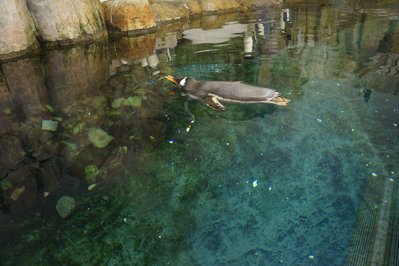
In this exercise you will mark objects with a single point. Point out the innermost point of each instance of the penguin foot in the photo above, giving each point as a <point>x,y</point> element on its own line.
<point>279,101</point>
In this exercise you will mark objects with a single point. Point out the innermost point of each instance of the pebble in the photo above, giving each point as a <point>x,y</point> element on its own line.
<point>65,206</point>
<point>255,183</point>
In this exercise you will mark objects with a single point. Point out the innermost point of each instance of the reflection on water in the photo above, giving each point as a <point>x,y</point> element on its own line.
<point>257,184</point>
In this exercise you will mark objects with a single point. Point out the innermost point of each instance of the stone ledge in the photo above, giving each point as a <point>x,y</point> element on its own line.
<point>130,16</point>
<point>169,11</point>
<point>85,20</point>
<point>17,31</point>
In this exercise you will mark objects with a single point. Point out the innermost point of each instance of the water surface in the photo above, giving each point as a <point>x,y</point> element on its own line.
<point>182,184</point>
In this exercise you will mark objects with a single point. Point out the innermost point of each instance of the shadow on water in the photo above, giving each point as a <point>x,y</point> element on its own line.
<point>256,184</point>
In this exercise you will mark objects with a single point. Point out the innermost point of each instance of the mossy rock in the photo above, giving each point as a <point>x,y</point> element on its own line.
<point>65,206</point>
<point>99,138</point>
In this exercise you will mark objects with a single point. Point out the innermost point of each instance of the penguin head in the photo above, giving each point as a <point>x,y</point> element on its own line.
<point>181,83</point>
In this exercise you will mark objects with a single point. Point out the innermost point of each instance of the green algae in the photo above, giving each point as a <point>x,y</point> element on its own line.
<point>130,101</point>
<point>91,172</point>
<point>99,138</point>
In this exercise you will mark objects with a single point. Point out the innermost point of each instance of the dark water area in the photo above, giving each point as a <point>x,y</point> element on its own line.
<point>154,179</point>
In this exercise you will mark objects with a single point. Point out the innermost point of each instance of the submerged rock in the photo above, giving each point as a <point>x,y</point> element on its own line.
<point>99,138</point>
<point>130,101</point>
<point>19,190</point>
<point>65,206</point>
<point>11,154</point>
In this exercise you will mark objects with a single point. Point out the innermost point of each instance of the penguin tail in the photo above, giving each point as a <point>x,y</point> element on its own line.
<point>280,101</point>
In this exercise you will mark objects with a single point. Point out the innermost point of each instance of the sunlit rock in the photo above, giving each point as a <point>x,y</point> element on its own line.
<point>17,30</point>
<point>194,6</point>
<point>165,11</point>
<point>65,206</point>
<point>68,21</point>
<point>128,15</point>
<point>219,5</point>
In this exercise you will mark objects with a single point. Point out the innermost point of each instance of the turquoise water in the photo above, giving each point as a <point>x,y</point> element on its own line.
<point>172,182</point>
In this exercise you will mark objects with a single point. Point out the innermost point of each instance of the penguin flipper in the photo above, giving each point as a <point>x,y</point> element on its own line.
<point>213,102</point>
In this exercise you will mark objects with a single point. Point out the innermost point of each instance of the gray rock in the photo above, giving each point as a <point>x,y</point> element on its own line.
<point>60,20</point>
<point>17,30</point>
<point>65,206</point>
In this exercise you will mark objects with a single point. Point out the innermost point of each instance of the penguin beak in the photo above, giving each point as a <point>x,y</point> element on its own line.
<point>171,79</point>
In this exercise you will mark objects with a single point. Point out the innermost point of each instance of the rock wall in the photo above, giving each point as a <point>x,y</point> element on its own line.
<point>59,20</point>
<point>26,23</point>
<point>17,30</point>
<point>30,88</point>
<point>132,15</point>
<point>127,15</point>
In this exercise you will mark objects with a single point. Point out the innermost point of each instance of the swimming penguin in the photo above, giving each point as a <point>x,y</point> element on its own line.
<point>212,92</point>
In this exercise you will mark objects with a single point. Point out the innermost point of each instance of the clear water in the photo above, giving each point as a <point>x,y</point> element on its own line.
<point>254,185</point>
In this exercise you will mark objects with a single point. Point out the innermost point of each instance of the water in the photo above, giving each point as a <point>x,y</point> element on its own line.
<point>254,185</point>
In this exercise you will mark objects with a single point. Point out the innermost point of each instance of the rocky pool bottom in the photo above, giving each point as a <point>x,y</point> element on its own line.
<point>109,145</point>
<point>283,187</point>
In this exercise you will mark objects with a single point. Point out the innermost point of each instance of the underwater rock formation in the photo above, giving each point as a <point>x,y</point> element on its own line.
<point>75,74</point>
<point>19,190</point>
<point>65,206</point>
